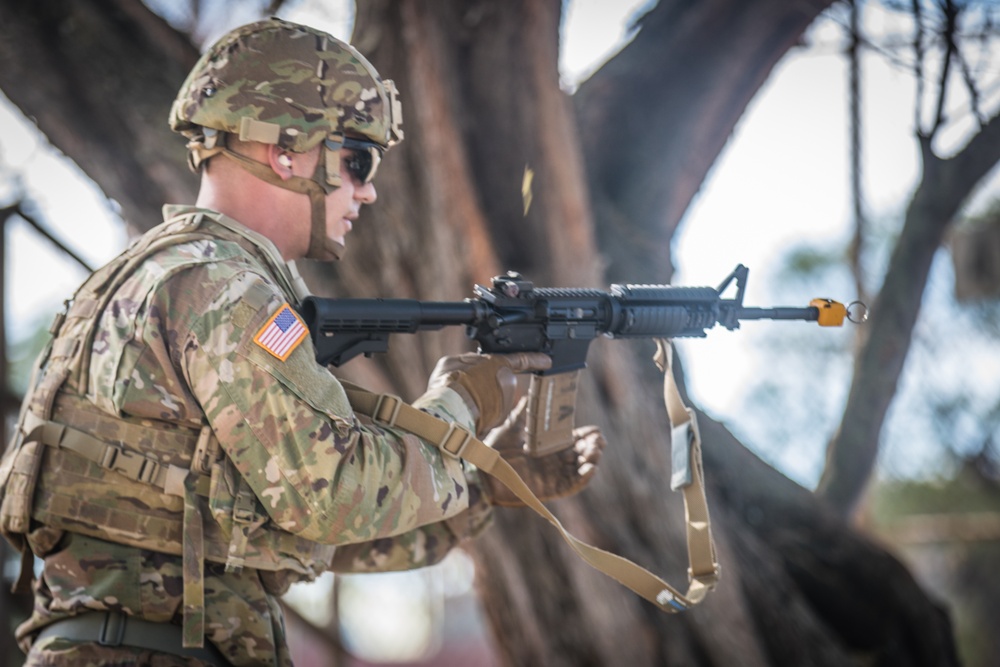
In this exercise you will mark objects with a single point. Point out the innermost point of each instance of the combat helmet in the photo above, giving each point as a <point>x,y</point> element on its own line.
<point>277,82</point>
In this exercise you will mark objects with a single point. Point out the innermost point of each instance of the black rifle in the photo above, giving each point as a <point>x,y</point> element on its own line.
<point>515,316</point>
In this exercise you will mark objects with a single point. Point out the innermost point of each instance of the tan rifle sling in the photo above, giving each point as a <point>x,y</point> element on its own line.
<point>457,442</point>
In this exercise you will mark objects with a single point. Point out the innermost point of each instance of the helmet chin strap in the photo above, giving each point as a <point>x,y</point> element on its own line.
<point>321,246</point>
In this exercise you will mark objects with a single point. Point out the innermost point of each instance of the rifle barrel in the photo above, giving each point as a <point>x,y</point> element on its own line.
<point>810,314</point>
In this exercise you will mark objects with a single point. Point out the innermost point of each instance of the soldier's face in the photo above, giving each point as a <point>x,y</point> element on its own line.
<point>343,205</point>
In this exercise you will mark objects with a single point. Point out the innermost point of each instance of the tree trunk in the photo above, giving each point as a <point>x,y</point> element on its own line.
<point>482,105</point>
<point>480,86</point>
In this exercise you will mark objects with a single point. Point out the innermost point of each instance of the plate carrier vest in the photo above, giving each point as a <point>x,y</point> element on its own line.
<point>148,484</point>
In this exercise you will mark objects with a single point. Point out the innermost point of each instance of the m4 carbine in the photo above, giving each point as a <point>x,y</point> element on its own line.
<point>515,316</point>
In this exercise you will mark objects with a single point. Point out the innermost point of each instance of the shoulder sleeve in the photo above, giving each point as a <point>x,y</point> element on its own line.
<point>286,423</point>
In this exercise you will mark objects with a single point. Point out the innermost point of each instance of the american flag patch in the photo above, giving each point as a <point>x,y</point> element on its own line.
<point>282,333</point>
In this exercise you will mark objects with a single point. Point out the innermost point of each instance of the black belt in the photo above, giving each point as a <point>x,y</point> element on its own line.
<point>112,628</point>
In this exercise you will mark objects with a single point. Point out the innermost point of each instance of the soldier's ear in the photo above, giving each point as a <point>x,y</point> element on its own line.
<point>280,162</point>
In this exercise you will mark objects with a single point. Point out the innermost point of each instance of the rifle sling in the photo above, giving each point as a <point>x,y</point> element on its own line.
<point>457,442</point>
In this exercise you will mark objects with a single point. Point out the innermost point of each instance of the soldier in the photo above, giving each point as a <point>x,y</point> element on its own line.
<point>181,458</point>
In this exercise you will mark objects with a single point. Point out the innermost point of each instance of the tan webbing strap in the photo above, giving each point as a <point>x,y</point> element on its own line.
<point>688,474</point>
<point>207,450</point>
<point>244,517</point>
<point>133,465</point>
<point>457,442</point>
<point>193,568</point>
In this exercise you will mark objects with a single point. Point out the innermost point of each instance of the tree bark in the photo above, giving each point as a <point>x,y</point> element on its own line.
<point>482,102</point>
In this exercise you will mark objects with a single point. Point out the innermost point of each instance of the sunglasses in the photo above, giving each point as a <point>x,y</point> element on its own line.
<point>363,160</point>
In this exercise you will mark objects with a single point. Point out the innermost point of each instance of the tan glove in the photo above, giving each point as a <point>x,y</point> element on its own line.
<point>486,382</point>
<point>555,475</point>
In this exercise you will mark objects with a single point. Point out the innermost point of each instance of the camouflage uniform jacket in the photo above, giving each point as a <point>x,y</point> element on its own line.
<point>181,344</point>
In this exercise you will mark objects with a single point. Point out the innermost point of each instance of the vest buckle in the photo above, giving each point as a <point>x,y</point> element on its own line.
<point>131,464</point>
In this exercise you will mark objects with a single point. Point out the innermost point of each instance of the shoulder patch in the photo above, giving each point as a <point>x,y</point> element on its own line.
<point>282,333</point>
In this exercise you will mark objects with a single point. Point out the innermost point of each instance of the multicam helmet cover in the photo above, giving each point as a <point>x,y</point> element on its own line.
<point>278,82</point>
<point>289,85</point>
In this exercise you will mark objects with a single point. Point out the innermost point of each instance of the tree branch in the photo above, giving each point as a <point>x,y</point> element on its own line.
<point>970,84</point>
<point>18,210</point>
<point>944,187</point>
<point>643,173</point>
<point>97,77</point>
<point>950,15</point>
<point>918,65</point>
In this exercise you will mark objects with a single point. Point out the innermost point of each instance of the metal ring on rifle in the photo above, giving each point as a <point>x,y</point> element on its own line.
<point>857,312</point>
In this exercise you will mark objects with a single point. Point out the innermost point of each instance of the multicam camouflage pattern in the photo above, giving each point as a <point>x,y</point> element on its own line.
<point>61,653</point>
<point>174,348</point>
<point>310,86</point>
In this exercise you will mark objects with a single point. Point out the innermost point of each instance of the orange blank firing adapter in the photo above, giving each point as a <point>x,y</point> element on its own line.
<point>831,313</point>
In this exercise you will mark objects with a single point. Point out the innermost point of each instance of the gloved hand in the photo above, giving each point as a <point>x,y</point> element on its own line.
<point>555,475</point>
<point>486,382</point>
